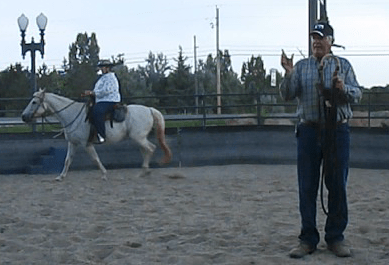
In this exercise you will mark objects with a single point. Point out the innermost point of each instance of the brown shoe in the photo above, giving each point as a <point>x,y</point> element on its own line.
<point>301,250</point>
<point>339,249</point>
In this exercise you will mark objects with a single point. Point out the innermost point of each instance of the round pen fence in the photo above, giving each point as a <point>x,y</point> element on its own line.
<point>236,109</point>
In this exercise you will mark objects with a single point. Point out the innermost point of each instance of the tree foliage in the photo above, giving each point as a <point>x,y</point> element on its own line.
<point>181,83</point>
<point>155,76</point>
<point>81,71</point>
<point>173,84</point>
<point>14,83</point>
<point>52,81</point>
<point>253,75</point>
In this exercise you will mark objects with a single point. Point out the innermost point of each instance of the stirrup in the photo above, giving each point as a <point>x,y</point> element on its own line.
<point>100,139</point>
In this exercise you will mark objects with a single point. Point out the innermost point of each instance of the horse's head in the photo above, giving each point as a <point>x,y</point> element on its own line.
<point>36,108</point>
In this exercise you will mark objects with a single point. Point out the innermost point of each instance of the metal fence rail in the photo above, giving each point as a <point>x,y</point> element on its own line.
<point>264,106</point>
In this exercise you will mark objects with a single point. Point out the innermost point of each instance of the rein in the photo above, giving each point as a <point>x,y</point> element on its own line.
<point>64,108</point>
<point>78,115</point>
<point>330,115</point>
<point>41,100</point>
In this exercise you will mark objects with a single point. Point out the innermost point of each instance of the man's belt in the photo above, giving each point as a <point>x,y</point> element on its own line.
<point>317,124</point>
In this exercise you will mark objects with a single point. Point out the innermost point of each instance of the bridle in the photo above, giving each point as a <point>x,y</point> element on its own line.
<point>41,101</point>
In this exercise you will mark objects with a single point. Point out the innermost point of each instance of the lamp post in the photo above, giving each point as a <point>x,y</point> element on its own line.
<point>41,21</point>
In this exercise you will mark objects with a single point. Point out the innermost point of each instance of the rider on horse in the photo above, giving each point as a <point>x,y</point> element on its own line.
<point>107,94</point>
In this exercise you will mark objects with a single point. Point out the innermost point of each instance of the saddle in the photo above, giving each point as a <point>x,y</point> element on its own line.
<point>118,114</point>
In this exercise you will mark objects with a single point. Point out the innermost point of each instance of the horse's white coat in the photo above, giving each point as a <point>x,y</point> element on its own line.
<point>71,114</point>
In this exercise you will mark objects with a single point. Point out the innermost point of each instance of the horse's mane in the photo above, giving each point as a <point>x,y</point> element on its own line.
<point>59,97</point>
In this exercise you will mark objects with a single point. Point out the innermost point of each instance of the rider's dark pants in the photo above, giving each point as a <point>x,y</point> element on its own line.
<point>310,148</point>
<point>99,111</point>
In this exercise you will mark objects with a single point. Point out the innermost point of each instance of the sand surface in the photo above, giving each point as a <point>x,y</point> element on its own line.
<point>236,214</point>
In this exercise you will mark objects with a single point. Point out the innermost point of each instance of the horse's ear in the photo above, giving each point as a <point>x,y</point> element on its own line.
<point>42,90</point>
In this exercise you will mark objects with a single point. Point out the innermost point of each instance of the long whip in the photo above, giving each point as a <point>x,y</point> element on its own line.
<point>330,113</point>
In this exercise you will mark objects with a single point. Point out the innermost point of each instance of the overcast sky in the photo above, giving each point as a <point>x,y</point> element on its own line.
<point>247,27</point>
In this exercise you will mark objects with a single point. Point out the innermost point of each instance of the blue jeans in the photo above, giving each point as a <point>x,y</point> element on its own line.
<point>99,111</point>
<point>311,144</point>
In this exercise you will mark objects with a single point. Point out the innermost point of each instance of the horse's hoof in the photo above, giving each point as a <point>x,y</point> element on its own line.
<point>104,178</point>
<point>59,178</point>
<point>164,161</point>
<point>144,173</point>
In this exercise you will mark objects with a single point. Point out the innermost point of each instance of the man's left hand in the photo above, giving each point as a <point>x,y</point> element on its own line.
<point>338,83</point>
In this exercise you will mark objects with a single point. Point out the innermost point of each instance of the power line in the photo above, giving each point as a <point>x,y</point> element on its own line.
<point>356,51</point>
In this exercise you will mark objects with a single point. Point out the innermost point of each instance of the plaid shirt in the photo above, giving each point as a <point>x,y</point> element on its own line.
<point>302,84</point>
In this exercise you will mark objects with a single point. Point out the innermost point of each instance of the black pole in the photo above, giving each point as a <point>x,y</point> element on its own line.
<point>32,47</point>
<point>312,20</point>
<point>196,80</point>
<point>33,77</point>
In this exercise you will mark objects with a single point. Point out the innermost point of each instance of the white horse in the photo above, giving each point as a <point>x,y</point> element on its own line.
<point>137,125</point>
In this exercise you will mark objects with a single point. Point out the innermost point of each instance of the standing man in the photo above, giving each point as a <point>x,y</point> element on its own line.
<point>106,92</point>
<point>304,82</point>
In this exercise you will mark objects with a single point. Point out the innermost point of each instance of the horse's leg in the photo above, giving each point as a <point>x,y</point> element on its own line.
<point>68,161</point>
<point>93,154</point>
<point>147,149</point>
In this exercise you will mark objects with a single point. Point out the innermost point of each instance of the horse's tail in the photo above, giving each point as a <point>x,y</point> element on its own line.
<point>159,123</point>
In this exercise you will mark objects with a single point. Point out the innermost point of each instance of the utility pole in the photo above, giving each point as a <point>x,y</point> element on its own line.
<point>314,16</point>
<point>323,11</point>
<point>218,89</point>
<point>312,20</point>
<point>195,76</point>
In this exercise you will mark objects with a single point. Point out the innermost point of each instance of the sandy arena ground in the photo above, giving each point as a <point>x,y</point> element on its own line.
<point>237,214</point>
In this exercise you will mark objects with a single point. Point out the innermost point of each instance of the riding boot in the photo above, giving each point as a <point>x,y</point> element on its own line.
<point>100,139</point>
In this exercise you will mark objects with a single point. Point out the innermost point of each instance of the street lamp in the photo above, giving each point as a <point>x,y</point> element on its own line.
<point>41,21</point>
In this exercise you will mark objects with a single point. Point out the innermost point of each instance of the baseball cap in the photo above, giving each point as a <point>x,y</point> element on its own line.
<point>322,29</point>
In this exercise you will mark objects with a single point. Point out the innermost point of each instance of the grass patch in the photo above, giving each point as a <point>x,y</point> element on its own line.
<point>28,128</point>
<point>25,128</point>
<point>193,123</point>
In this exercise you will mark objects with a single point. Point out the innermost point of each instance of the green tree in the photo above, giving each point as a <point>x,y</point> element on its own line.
<point>230,84</point>
<point>132,83</point>
<point>139,91</point>
<point>14,83</point>
<point>81,69</point>
<point>181,84</point>
<point>52,81</point>
<point>206,76</point>
<point>154,74</point>
<point>253,75</point>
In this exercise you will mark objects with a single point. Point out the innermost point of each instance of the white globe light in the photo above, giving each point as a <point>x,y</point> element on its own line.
<point>41,21</point>
<point>23,22</point>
